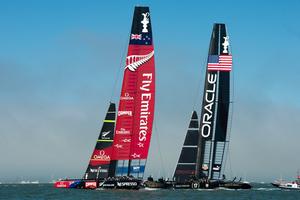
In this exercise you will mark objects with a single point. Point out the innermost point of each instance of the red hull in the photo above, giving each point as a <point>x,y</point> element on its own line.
<point>63,184</point>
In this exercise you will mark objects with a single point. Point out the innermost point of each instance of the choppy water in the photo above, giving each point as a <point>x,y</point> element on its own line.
<point>46,191</point>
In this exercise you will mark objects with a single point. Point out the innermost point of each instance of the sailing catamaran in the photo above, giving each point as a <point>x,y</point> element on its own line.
<point>136,108</point>
<point>201,163</point>
<point>121,151</point>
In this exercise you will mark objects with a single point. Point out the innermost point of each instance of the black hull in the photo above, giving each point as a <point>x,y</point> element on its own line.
<point>158,184</point>
<point>235,185</point>
<point>134,184</point>
<point>197,184</point>
<point>185,185</point>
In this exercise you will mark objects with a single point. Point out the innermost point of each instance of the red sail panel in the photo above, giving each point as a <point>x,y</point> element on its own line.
<point>136,108</point>
<point>144,103</point>
<point>124,126</point>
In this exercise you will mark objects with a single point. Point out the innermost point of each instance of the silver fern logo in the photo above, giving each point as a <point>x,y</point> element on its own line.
<point>134,61</point>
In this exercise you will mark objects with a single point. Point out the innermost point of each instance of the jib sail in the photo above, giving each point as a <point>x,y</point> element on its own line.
<point>99,163</point>
<point>186,166</point>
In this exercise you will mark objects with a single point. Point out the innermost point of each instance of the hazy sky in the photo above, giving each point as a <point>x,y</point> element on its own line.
<point>61,60</point>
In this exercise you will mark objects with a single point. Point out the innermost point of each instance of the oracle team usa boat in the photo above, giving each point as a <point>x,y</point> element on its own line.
<point>201,162</point>
<point>121,151</point>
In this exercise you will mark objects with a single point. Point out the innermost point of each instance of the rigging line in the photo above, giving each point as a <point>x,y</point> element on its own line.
<point>230,167</point>
<point>197,93</point>
<point>159,149</point>
<point>119,69</point>
<point>231,116</point>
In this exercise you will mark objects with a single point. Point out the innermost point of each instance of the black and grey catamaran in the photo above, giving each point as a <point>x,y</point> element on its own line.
<point>201,163</point>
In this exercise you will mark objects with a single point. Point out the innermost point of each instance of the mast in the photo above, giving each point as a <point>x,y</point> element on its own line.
<point>215,106</point>
<point>136,107</point>
<point>186,166</point>
<point>98,167</point>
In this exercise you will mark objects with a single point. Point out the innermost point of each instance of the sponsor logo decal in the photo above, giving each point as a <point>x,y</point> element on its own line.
<point>122,131</point>
<point>126,97</point>
<point>207,117</point>
<point>225,44</point>
<point>216,168</point>
<point>91,184</point>
<point>108,185</point>
<point>118,146</point>
<point>136,155</point>
<point>104,134</point>
<point>136,168</point>
<point>145,100</point>
<point>126,184</point>
<point>134,61</point>
<point>93,170</point>
<point>145,22</point>
<point>140,144</point>
<point>101,156</point>
<point>103,170</point>
<point>126,140</point>
<point>121,113</point>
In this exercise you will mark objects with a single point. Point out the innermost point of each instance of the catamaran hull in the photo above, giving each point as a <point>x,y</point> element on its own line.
<point>158,184</point>
<point>235,185</point>
<point>185,185</point>
<point>77,184</point>
<point>121,184</point>
<point>69,184</point>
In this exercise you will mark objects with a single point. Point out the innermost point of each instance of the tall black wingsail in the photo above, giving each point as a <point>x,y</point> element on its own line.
<point>99,164</point>
<point>215,106</point>
<point>186,166</point>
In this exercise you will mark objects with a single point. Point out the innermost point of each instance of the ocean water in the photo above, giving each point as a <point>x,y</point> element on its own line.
<point>47,191</point>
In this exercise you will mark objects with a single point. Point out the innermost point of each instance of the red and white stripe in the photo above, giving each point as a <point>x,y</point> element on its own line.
<point>225,64</point>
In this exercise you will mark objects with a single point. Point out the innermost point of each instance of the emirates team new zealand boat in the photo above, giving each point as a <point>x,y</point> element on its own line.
<point>201,162</point>
<point>120,155</point>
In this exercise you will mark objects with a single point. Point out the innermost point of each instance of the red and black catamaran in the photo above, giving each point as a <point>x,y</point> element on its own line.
<point>121,151</point>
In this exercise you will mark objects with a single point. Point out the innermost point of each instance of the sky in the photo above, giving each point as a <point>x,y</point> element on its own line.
<point>61,62</point>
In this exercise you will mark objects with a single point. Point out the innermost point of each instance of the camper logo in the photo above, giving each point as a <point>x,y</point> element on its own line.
<point>225,44</point>
<point>145,22</point>
<point>121,113</point>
